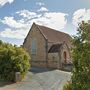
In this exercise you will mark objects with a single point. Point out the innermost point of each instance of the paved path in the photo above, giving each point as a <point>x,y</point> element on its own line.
<point>49,80</point>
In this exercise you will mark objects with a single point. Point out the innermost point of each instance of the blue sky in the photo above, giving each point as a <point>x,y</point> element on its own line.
<point>17,16</point>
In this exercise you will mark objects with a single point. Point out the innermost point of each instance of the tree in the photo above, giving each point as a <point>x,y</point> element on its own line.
<point>13,59</point>
<point>81,58</point>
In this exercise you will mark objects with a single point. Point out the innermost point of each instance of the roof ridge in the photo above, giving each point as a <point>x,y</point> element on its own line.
<point>52,35</point>
<point>50,29</point>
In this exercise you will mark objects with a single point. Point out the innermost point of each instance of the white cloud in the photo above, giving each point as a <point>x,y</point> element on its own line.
<point>11,22</point>
<point>27,14</point>
<point>19,28</point>
<point>80,15</point>
<point>43,9</point>
<point>17,34</point>
<point>52,19</point>
<point>3,2</point>
<point>40,3</point>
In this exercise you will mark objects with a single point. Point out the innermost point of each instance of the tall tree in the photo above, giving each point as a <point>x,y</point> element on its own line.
<point>81,58</point>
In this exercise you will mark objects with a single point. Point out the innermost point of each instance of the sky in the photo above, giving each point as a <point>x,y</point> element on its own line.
<point>17,17</point>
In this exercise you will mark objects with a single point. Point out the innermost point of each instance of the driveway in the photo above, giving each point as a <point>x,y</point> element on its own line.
<point>41,79</point>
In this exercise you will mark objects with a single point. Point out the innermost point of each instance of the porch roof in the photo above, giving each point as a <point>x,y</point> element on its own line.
<point>54,48</point>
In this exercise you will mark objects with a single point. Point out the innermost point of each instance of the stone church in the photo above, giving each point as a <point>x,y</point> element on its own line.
<point>47,47</point>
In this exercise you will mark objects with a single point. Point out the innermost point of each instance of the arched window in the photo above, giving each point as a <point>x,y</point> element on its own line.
<point>65,56</point>
<point>34,47</point>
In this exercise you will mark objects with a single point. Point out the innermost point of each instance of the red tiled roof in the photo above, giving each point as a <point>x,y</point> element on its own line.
<point>54,35</point>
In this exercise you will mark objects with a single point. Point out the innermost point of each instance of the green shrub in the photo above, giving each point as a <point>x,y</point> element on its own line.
<point>76,86</point>
<point>13,59</point>
<point>68,86</point>
<point>81,58</point>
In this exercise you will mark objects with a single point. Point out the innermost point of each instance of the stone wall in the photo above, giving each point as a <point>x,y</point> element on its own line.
<point>38,60</point>
<point>53,58</point>
<point>65,48</point>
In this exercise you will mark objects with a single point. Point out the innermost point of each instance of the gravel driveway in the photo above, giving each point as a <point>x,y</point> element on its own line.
<point>47,80</point>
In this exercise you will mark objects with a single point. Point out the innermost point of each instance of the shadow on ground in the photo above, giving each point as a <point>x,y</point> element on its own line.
<point>39,79</point>
<point>4,83</point>
<point>34,70</point>
<point>39,70</point>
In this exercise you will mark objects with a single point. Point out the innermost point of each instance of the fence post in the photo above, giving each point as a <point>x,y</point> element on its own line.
<point>17,77</point>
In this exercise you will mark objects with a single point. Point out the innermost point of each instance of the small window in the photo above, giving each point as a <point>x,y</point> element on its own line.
<point>34,47</point>
<point>65,56</point>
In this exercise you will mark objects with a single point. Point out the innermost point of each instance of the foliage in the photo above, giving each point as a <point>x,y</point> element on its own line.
<point>81,58</point>
<point>12,59</point>
<point>67,86</point>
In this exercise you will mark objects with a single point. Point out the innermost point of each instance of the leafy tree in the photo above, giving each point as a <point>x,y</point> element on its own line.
<point>12,59</point>
<point>81,58</point>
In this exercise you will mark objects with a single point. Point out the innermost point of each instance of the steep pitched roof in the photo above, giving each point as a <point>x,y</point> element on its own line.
<point>54,35</point>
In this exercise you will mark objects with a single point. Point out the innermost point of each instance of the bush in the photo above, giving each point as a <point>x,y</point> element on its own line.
<point>81,58</point>
<point>13,59</point>
<point>68,86</point>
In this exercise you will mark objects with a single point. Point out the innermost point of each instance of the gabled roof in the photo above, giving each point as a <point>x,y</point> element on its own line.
<point>54,48</point>
<point>55,36</point>
<point>52,35</point>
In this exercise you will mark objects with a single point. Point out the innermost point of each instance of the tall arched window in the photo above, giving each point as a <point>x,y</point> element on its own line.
<point>65,56</point>
<point>34,47</point>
